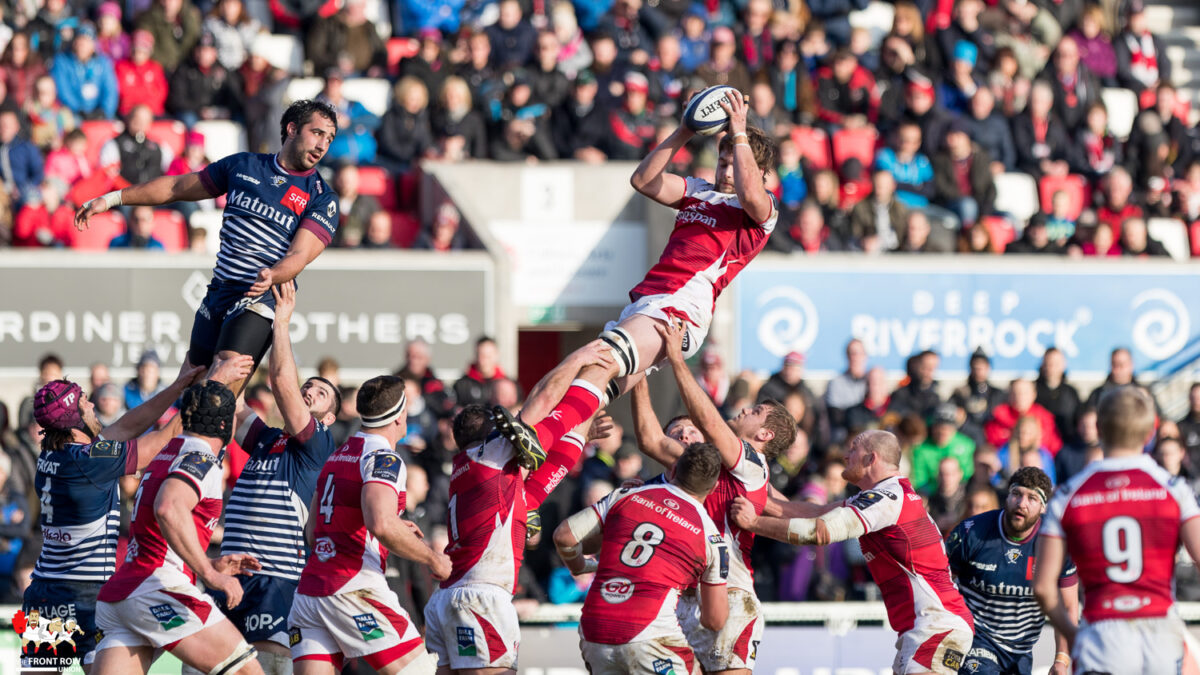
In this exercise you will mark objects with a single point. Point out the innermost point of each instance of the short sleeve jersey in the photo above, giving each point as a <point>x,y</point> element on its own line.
<point>81,516</point>
<point>657,540</point>
<point>150,563</point>
<point>346,556</point>
<point>748,478</point>
<point>268,507</point>
<point>265,206</point>
<point>906,557</point>
<point>995,576</point>
<point>712,241</point>
<point>1121,518</point>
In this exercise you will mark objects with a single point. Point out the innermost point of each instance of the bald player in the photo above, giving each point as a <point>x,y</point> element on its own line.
<point>903,549</point>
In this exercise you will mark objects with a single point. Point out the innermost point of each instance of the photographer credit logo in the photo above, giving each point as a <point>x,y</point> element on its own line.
<point>47,642</point>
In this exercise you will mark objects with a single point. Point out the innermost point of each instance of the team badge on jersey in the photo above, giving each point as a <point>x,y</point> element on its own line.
<point>105,449</point>
<point>465,636</point>
<point>331,209</point>
<point>866,498</point>
<point>663,667</point>
<point>293,637</point>
<point>972,666</point>
<point>166,616</point>
<point>324,549</point>
<point>387,467</point>
<point>1012,555</point>
<point>278,180</point>
<point>368,626</point>
<point>952,659</point>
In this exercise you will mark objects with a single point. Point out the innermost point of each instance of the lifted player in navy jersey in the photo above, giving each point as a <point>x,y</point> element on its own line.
<point>278,218</point>
<point>77,475</point>
<point>268,508</point>
<point>992,555</point>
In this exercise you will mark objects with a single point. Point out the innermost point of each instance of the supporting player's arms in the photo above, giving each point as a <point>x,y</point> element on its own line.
<point>163,190</point>
<point>382,521</point>
<point>305,248</point>
<point>576,537</point>
<point>838,523</point>
<point>1051,552</point>
<point>651,177</point>
<point>282,373</point>
<point>700,407</point>
<point>173,510</point>
<point>650,437</point>
<point>550,389</point>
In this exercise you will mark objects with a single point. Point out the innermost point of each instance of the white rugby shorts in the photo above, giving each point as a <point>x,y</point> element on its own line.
<point>666,308</point>
<point>659,656</point>
<point>367,623</point>
<point>473,626</point>
<point>934,647</point>
<point>735,645</point>
<point>158,618</point>
<point>1154,645</point>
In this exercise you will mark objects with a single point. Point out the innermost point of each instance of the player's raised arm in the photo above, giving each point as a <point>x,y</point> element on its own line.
<point>747,173</point>
<point>382,521</point>
<point>700,408</point>
<point>651,438</point>
<point>164,190</point>
<point>804,524</point>
<point>651,177</point>
<point>551,388</point>
<point>135,422</point>
<point>282,373</point>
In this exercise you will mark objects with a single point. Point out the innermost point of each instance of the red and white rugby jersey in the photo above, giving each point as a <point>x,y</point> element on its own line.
<point>1121,519</point>
<point>657,540</point>
<point>486,516</point>
<point>748,478</point>
<point>346,557</point>
<point>907,559</point>
<point>150,564</point>
<point>712,241</point>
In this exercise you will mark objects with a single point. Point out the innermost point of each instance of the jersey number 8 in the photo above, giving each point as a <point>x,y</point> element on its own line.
<point>641,548</point>
<point>1122,539</point>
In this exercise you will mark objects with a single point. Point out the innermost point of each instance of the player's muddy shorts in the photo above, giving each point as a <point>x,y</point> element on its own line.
<point>473,626</point>
<point>367,623</point>
<point>1120,646</point>
<point>735,645</point>
<point>668,655</point>
<point>938,647</point>
<point>66,600</point>
<point>227,320</point>
<point>667,308</point>
<point>158,619</point>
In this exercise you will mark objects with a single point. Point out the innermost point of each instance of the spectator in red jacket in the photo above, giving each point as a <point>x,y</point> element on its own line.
<point>846,92</point>
<point>70,163</point>
<point>140,80</point>
<point>49,222</point>
<point>1117,208</point>
<point>1022,397</point>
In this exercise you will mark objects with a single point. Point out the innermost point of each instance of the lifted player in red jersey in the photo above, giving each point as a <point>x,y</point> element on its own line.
<point>653,542</point>
<point>903,549</point>
<point>1121,519</point>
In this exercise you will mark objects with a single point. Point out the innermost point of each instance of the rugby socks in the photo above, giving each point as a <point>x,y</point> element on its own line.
<point>581,401</point>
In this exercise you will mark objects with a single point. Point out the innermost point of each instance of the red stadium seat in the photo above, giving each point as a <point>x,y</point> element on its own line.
<point>1194,238</point>
<point>813,145</point>
<point>170,229</point>
<point>101,229</point>
<point>98,133</point>
<point>405,228</point>
<point>168,134</point>
<point>1000,231</point>
<point>1074,185</point>
<point>399,49</point>
<point>855,143</point>
<point>376,182</point>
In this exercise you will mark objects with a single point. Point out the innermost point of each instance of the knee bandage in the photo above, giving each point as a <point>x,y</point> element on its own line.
<point>425,664</point>
<point>275,664</point>
<point>623,349</point>
<point>241,654</point>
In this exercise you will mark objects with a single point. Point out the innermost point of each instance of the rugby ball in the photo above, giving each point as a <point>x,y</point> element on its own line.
<point>704,114</point>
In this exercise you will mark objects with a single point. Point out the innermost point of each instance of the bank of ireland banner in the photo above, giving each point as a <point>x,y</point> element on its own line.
<point>1014,312</point>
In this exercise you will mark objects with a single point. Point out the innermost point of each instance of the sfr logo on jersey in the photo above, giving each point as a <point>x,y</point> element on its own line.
<point>324,549</point>
<point>295,199</point>
<point>617,590</point>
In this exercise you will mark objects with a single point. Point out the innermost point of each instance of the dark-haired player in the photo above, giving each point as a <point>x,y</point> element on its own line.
<point>651,542</point>
<point>903,549</point>
<point>719,229</point>
<point>343,607</point>
<point>152,602</point>
<point>77,483</point>
<point>268,509</point>
<point>746,445</point>
<point>279,216</point>
<point>993,555</point>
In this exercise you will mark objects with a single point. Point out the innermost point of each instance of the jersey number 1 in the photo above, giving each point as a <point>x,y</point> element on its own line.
<point>1122,539</point>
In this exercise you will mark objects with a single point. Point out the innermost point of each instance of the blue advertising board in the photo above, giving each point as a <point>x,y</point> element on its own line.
<point>1014,310</point>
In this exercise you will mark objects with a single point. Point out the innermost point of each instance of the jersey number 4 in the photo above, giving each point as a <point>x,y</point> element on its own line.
<point>327,500</point>
<point>1122,539</point>
<point>641,548</point>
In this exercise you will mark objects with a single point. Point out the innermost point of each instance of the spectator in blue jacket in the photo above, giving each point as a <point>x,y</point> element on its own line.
<point>912,169</point>
<point>355,139</point>
<point>87,83</point>
<point>418,15</point>
<point>20,162</point>
<point>990,130</point>
<point>513,37</point>
<point>694,39</point>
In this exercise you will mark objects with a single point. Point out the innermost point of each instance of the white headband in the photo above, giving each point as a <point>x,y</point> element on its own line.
<point>386,418</point>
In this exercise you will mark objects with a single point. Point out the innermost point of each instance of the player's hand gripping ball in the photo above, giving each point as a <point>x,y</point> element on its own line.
<point>704,114</point>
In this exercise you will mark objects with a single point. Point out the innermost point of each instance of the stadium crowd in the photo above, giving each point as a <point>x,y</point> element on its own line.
<point>896,142</point>
<point>958,451</point>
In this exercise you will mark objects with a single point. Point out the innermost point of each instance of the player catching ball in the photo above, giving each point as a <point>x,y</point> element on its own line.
<point>279,216</point>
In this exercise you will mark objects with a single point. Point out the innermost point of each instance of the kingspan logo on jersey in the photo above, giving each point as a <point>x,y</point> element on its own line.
<point>253,205</point>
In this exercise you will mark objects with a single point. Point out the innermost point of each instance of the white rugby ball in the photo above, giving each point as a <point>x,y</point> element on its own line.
<point>704,114</point>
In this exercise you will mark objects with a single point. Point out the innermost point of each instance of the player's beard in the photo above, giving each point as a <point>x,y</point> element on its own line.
<point>1018,524</point>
